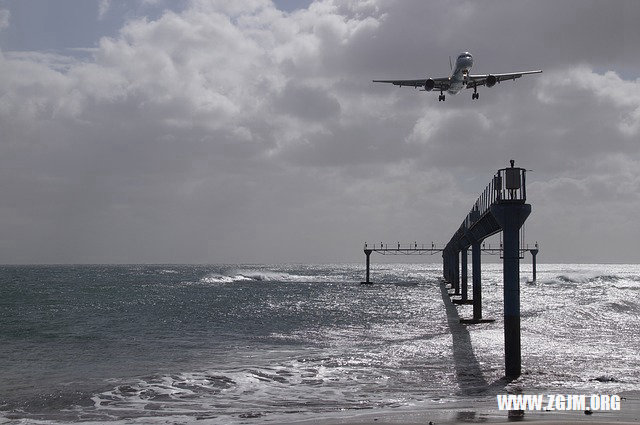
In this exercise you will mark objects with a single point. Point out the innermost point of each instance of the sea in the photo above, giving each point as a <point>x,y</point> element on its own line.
<point>233,343</point>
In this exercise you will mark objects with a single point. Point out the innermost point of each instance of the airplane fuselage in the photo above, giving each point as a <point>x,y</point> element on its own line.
<point>458,78</point>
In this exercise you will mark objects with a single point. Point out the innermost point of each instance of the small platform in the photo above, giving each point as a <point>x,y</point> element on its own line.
<point>366,283</point>
<point>462,301</point>
<point>475,321</point>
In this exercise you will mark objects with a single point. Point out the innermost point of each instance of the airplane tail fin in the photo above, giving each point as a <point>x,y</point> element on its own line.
<point>450,63</point>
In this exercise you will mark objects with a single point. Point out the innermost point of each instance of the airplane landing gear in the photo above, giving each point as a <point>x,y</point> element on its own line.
<point>441,98</point>
<point>475,95</point>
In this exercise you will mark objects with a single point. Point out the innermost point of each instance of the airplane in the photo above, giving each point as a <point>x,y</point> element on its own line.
<point>459,79</point>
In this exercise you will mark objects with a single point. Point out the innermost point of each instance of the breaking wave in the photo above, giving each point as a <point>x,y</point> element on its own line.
<point>582,278</point>
<point>218,278</point>
<point>267,276</point>
<point>245,393</point>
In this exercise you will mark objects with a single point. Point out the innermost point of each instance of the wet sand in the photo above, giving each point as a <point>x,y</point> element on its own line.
<point>384,419</point>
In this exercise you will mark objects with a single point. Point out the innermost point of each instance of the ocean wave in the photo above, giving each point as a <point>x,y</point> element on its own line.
<point>605,378</point>
<point>218,278</point>
<point>240,393</point>
<point>187,393</point>
<point>576,278</point>
<point>268,276</point>
<point>623,306</point>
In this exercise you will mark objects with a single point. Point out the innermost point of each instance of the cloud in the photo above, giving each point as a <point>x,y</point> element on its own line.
<point>184,110</point>
<point>234,131</point>
<point>103,8</point>
<point>5,15</point>
<point>620,98</point>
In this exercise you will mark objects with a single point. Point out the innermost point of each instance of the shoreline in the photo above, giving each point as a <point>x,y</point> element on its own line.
<point>469,417</point>
<point>480,410</point>
<point>454,412</point>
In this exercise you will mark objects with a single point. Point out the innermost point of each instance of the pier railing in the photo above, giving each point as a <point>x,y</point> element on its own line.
<point>382,246</point>
<point>508,186</point>
<point>398,248</point>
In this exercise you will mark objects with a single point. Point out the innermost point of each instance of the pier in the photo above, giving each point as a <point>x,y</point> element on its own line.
<point>502,208</point>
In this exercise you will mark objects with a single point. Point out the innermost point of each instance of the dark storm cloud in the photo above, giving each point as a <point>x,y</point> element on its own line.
<point>237,131</point>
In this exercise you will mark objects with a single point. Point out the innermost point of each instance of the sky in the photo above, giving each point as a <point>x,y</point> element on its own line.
<point>193,131</point>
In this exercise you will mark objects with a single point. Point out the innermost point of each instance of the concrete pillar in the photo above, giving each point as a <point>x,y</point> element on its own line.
<point>476,280</point>
<point>464,278</point>
<point>534,252</point>
<point>510,217</point>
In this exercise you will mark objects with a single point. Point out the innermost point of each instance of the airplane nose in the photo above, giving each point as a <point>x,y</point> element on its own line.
<point>465,62</point>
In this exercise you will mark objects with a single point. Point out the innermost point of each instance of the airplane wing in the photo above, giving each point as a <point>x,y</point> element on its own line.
<point>481,79</point>
<point>439,83</point>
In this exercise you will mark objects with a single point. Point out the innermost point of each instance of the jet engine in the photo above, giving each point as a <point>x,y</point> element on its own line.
<point>429,84</point>
<point>491,80</point>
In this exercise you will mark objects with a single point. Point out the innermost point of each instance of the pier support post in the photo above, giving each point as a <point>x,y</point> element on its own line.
<point>534,252</point>
<point>464,278</point>
<point>456,273</point>
<point>464,281</point>
<point>511,217</point>
<point>445,268</point>
<point>476,280</point>
<point>367,253</point>
<point>449,275</point>
<point>445,261</point>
